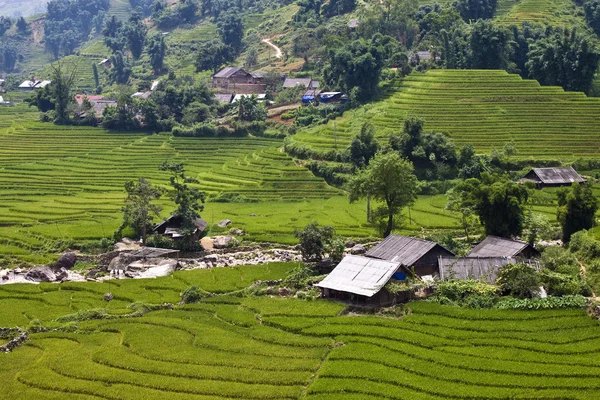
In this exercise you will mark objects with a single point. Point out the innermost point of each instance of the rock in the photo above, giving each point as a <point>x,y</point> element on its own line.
<point>358,249</point>
<point>253,215</point>
<point>350,244</point>
<point>224,223</point>
<point>283,291</point>
<point>236,232</point>
<point>62,275</point>
<point>207,243</point>
<point>222,242</point>
<point>66,261</point>
<point>213,258</point>
<point>5,277</point>
<point>121,262</point>
<point>41,274</point>
<point>108,297</point>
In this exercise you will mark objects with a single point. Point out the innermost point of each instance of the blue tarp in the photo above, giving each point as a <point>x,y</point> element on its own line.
<point>399,275</point>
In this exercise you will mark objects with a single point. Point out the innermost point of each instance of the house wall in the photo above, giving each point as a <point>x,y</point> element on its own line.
<point>428,264</point>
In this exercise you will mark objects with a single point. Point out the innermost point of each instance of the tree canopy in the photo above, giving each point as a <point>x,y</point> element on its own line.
<point>577,207</point>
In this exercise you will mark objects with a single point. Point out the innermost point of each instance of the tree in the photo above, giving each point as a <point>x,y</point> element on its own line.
<point>388,178</point>
<point>157,49</point>
<point>189,200</point>
<point>497,201</point>
<point>5,24</point>
<point>458,203</point>
<point>211,55</point>
<point>488,46</point>
<point>248,108</point>
<point>9,57</point>
<point>63,82</point>
<point>475,9</point>
<point>22,25</point>
<point>564,58</point>
<point>537,227</point>
<point>95,73</point>
<point>139,210</point>
<point>364,146</point>
<point>356,69</point>
<point>135,33</point>
<point>577,207</point>
<point>315,241</point>
<point>519,280</point>
<point>338,7</point>
<point>121,69</point>
<point>231,29</point>
<point>251,57</point>
<point>592,14</point>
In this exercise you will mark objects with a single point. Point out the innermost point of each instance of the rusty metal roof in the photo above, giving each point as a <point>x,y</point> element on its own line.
<point>360,275</point>
<point>557,176</point>
<point>401,249</point>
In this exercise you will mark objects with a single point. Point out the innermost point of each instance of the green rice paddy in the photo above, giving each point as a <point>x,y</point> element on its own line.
<point>284,348</point>
<point>484,108</point>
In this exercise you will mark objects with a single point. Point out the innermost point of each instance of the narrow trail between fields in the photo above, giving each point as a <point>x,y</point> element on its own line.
<point>278,52</point>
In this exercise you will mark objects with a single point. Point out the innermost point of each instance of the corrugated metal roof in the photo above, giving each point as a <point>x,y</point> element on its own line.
<point>152,252</point>
<point>227,72</point>
<point>481,268</point>
<point>402,249</point>
<point>493,246</point>
<point>224,97</point>
<point>360,275</point>
<point>554,176</point>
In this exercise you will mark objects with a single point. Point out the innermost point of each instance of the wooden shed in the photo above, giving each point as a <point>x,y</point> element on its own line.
<point>480,268</point>
<point>550,177</point>
<point>494,246</point>
<point>411,252</point>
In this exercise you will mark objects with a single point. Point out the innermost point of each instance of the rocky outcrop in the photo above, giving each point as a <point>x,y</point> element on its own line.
<point>358,249</point>
<point>224,223</point>
<point>66,261</point>
<point>46,274</point>
<point>21,338</point>
<point>222,242</point>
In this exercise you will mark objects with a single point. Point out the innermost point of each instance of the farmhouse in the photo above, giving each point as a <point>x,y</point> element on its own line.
<point>480,268</point>
<point>410,252</point>
<point>308,83</point>
<point>361,280</point>
<point>549,177</point>
<point>493,246</point>
<point>80,97</point>
<point>224,97</point>
<point>106,63</point>
<point>34,84</point>
<point>238,80</point>
<point>171,227</point>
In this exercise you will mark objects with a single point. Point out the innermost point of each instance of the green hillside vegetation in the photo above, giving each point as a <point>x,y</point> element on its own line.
<point>484,108</point>
<point>549,12</point>
<point>282,348</point>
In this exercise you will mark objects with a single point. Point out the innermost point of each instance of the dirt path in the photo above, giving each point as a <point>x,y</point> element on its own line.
<point>278,52</point>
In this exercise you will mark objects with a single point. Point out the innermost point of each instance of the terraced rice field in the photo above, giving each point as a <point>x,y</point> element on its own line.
<point>285,348</point>
<point>548,12</point>
<point>485,108</point>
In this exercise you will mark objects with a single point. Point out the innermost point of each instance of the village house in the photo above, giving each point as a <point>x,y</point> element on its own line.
<point>361,281</point>
<point>238,80</point>
<point>33,84</point>
<point>479,268</point>
<point>172,226</point>
<point>422,255</point>
<point>224,97</point>
<point>106,63</point>
<point>550,177</point>
<point>494,246</point>
<point>308,83</point>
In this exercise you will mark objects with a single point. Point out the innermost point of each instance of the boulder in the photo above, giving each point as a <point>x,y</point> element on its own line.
<point>222,242</point>
<point>46,274</point>
<point>108,296</point>
<point>66,261</point>
<point>358,249</point>
<point>350,243</point>
<point>253,215</point>
<point>207,243</point>
<point>236,232</point>
<point>121,262</point>
<point>224,223</point>
<point>283,291</point>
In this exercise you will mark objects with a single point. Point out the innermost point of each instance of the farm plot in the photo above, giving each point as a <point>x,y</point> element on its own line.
<point>484,108</point>
<point>549,12</point>
<point>286,348</point>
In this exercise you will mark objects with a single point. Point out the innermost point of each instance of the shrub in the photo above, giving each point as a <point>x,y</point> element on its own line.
<point>519,280</point>
<point>191,295</point>
<point>550,302</point>
<point>560,260</point>
<point>314,241</point>
<point>160,241</point>
<point>557,284</point>
<point>584,246</point>
<point>461,292</point>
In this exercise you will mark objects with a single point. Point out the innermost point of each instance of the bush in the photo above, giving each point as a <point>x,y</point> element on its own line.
<point>585,247</point>
<point>315,241</point>
<point>468,292</point>
<point>557,284</point>
<point>550,302</point>
<point>519,280</point>
<point>160,241</point>
<point>560,260</point>
<point>191,295</point>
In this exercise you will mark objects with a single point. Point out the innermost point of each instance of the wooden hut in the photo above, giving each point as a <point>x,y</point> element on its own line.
<point>172,226</point>
<point>480,268</point>
<point>494,246</point>
<point>550,177</point>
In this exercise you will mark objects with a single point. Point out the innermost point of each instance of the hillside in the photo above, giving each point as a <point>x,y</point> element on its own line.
<point>25,8</point>
<point>284,348</point>
<point>485,108</point>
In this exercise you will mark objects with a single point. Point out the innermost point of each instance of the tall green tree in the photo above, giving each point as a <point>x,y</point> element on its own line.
<point>139,209</point>
<point>135,34</point>
<point>577,207</point>
<point>564,58</point>
<point>248,108</point>
<point>157,48</point>
<point>488,46</point>
<point>364,146</point>
<point>475,9</point>
<point>22,25</point>
<point>498,202</point>
<point>189,200</point>
<point>231,29</point>
<point>211,55</point>
<point>121,69</point>
<point>95,73</point>
<point>389,179</point>
<point>63,82</point>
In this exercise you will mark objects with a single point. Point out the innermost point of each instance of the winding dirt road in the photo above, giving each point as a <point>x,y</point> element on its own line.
<point>278,52</point>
